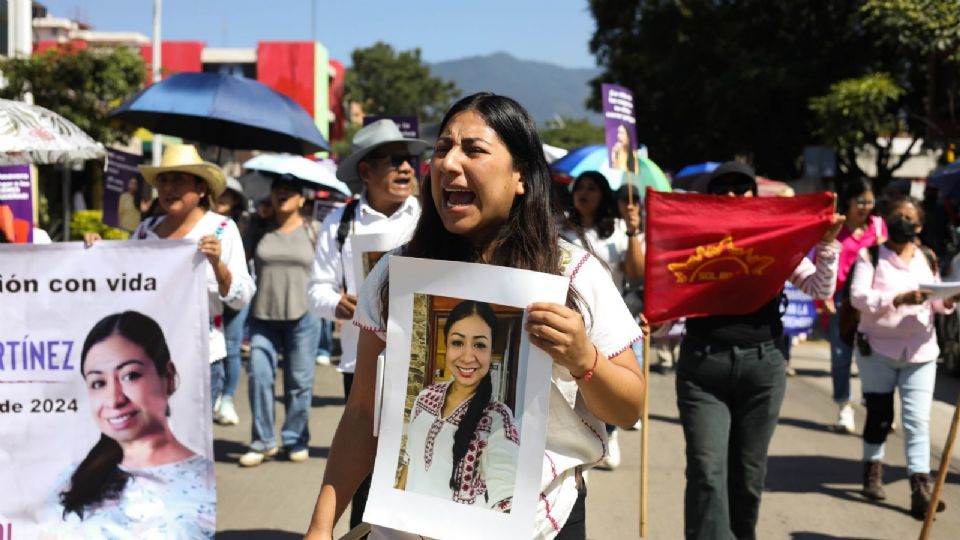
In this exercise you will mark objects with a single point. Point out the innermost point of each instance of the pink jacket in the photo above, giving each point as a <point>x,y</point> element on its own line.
<point>903,333</point>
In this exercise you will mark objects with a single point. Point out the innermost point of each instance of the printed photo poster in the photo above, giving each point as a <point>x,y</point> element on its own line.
<point>142,306</point>
<point>455,335</point>
<point>620,128</point>
<point>16,206</point>
<point>368,248</point>
<point>322,209</point>
<point>123,190</point>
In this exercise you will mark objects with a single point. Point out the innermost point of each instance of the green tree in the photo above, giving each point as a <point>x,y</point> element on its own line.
<point>862,112</point>
<point>715,80</point>
<point>571,133</point>
<point>387,82</point>
<point>81,85</point>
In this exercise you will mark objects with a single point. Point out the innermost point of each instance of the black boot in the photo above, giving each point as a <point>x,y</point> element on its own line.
<point>921,487</point>
<point>873,480</point>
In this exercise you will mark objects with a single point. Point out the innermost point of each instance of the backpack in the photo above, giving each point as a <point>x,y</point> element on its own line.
<point>849,317</point>
<point>346,220</point>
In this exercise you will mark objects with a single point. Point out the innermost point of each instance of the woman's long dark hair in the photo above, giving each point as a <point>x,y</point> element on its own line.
<point>607,212</point>
<point>528,238</point>
<point>468,424</point>
<point>631,155</point>
<point>852,190</point>
<point>98,477</point>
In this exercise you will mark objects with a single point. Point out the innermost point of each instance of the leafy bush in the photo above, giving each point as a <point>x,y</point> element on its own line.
<point>86,221</point>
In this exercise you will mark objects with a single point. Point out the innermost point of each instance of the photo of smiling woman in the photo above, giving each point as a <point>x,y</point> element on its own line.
<point>461,444</point>
<point>138,480</point>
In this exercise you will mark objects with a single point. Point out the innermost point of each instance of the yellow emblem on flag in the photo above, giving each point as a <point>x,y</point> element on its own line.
<point>720,262</point>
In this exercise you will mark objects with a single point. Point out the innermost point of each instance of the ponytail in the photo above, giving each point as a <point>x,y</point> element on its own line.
<point>97,478</point>
<point>467,427</point>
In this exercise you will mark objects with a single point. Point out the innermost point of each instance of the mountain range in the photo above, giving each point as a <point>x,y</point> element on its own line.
<point>546,90</point>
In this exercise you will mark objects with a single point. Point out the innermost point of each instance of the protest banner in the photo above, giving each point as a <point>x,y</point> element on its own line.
<point>16,204</point>
<point>123,189</point>
<point>99,349</point>
<point>620,128</point>
<point>801,312</point>
<point>714,255</point>
<point>436,311</point>
<point>409,125</point>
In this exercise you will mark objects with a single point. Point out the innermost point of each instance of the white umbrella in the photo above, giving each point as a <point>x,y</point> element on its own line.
<point>305,169</point>
<point>32,134</point>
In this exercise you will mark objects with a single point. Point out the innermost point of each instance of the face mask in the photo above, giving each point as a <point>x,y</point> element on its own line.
<point>901,231</point>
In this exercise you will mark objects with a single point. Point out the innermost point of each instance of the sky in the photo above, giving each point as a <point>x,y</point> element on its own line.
<point>555,31</point>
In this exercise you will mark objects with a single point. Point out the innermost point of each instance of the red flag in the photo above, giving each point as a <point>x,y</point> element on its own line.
<point>719,255</point>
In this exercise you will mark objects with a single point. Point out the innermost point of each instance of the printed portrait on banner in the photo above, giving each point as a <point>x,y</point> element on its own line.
<point>110,357</point>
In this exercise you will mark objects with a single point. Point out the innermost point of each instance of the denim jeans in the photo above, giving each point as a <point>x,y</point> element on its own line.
<point>234,323</point>
<point>915,381</point>
<point>297,340</point>
<point>325,344</point>
<point>216,381</point>
<point>729,402</point>
<point>841,357</point>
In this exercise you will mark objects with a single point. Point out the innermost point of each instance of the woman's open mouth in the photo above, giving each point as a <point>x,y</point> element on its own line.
<point>458,198</point>
<point>466,373</point>
<point>123,421</point>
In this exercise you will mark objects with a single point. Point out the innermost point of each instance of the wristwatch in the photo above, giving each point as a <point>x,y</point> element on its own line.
<point>634,233</point>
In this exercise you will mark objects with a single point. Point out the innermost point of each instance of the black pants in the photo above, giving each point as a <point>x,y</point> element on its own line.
<point>576,526</point>
<point>729,402</point>
<point>359,502</point>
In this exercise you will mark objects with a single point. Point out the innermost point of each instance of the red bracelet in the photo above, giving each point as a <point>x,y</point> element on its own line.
<point>587,375</point>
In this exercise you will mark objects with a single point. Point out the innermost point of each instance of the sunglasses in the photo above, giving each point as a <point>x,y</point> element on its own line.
<point>396,160</point>
<point>865,203</point>
<point>737,188</point>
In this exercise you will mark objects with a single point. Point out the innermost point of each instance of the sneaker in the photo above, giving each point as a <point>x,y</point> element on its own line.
<point>298,456</point>
<point>324,360</point>
<point>791,372</point>
<point>612,460</point>
<point>226,414</point>
<point>845,421</point>
<point>216,407</point>
<point>254,458</point>
<point>636,427</point>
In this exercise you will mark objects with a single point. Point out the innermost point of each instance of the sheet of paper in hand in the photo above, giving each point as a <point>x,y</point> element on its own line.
<point>463,420</point>
<point>941,290</point>
<point>368,248</point>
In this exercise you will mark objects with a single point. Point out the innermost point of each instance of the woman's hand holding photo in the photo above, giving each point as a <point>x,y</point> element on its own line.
<point>560,332</point>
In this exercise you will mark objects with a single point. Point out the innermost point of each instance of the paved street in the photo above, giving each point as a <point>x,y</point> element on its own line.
<point>812,484</point>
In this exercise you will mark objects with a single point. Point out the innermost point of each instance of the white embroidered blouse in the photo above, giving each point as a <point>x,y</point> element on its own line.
<point>575,437</point>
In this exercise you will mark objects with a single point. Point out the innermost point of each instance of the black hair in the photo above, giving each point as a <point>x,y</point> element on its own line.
<point>607,211</point>
<point>528,238</point>
<point>851,190</point>
<point>631,155</point>
<point>895,202</point>
<point>480,400</point>
<point>99,477</point>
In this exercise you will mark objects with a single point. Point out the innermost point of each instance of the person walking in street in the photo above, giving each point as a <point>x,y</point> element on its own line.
<point>281,323</point>
<point>487,200</point>
<point>731,379</point>
<point>861,230</point>
<point>384,160</point>
<point>611,231</point>
<point>898,349</point>
<point>186,187</point>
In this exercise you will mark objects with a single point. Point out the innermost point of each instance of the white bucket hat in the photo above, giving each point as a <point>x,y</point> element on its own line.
<point>368,139</point>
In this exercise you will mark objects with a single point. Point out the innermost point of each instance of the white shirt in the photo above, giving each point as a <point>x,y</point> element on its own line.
<point>611,250</point>
<point>331,268</point>
<point>575,436</point>
<point>242,286</point>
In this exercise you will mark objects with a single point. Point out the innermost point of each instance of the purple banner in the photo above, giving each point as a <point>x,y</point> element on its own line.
<point>620,126</point>
<point>122,190</point>
<point>16,204</point>
<point>409,125</point>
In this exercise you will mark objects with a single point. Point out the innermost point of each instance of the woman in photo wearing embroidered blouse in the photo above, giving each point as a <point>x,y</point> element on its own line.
<point>898,348</point>
<point>488,201</point>
<point>472,457</point>
<point>186,186</point>
<point>138,480</point>
<point>281,322</point>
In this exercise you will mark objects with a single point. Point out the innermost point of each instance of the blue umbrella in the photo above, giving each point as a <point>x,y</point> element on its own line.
<point>232,112</point>
<point>314,174</point>
<point>694,177</point>
<point>594,157</point>
<point>947,180</point>
<point>699,168</point>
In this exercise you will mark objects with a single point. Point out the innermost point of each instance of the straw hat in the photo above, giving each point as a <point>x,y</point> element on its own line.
<point>185,158</point>
<point>368,139</point>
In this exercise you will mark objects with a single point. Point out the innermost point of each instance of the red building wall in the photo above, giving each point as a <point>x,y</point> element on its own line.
<point>175,57</point>
<point>287,67</point>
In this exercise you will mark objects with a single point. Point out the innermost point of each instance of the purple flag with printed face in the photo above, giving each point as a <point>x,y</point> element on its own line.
<point>16,204</point>
<point>620,127</point>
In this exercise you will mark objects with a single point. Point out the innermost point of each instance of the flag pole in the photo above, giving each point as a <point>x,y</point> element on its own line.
<point>644,435</point>
<point>942,473</point>
<point>358,532</point>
